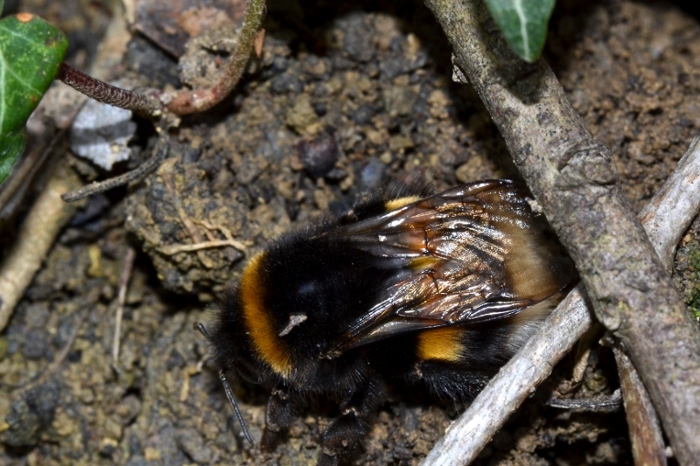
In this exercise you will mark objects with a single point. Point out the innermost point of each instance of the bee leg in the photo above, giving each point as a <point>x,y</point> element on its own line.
<point>278,415</point>
<point>345,433</point>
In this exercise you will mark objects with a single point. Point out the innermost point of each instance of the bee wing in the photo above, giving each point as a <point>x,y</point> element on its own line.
<point>470,254</point>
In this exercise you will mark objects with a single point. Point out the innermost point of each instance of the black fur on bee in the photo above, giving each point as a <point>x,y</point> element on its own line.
<point>438,290</point>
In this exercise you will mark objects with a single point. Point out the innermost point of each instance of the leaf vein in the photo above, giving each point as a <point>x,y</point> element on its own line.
<point>518,5</point>
<point>23,81</point>
<point>17,35</point>
<point>3,65</point>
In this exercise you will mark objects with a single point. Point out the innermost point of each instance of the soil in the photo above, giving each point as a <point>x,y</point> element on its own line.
<point>346,98</point>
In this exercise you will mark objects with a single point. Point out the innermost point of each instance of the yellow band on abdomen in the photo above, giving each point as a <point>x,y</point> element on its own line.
<point>444,344</point>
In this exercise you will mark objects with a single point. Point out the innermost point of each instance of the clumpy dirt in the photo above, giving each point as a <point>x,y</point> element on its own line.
<point>346,98</point>
<point>629,69</point>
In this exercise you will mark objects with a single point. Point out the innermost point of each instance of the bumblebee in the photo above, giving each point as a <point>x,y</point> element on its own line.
<point>398,291</point>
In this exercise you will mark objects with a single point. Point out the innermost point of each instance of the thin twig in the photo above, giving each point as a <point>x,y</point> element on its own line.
<point>648,447</point>
<point>106,93</point>
<point>598,404</point>
<point>173,249</point>
<point>182,102</point>
<point>198,100</point>
<point>136,174</point>
<point>680,197</point>
<point>212,243</point>
<point>533,363</point>
<point>24,173</point>
<point>121,301</point>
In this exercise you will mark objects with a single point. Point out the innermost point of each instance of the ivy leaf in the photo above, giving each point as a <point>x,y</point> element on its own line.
<point>31,53</point>
<point>524,24</point>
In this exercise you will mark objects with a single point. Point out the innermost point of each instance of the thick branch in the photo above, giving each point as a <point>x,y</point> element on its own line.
<point>39,230</point>
<point>575,180</point>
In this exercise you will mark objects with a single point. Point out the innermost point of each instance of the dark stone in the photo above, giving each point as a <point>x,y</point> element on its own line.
<point>320,155</point>
<point>363,114</point>
<point>286,82</point>
<point>30,415</point>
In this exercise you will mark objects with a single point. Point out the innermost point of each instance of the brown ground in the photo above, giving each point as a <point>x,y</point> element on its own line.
<point>368,85</point>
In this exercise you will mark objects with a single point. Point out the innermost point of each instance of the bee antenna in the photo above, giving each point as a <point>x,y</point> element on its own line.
<point>227,389</point>
<point>232,400</point>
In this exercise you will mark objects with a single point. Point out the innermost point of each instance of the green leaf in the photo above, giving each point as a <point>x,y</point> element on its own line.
<point>31,53</point>
<point>524,24</point>
<point>11,146</point>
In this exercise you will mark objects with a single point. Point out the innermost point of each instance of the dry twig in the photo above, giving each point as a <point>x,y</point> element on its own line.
<point>39,230</point>
<point>160,152</point>
<point>648,447</point>
<point>173,249</point>
<point>680,198</point>
<point>121,301</point>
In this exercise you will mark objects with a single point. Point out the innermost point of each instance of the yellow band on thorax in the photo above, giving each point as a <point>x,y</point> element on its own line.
<point>258,321</point>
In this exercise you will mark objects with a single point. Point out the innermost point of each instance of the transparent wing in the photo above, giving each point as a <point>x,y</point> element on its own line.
<point>470,254</point>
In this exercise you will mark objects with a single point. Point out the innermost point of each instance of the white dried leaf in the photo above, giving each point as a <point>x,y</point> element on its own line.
<point>101,133</point>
